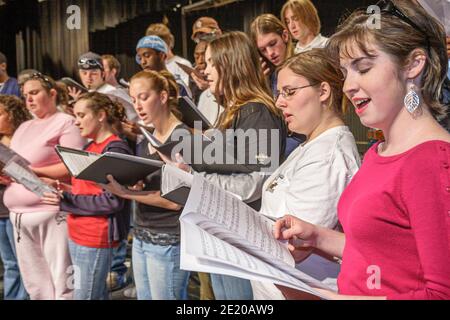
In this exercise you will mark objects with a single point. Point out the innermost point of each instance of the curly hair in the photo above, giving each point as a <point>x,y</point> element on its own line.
<point>115,111</point>
<point>16,110</point>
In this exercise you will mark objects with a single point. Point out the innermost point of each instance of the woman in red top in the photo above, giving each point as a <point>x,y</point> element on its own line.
<point>98,219</point>
<point>395,212</point>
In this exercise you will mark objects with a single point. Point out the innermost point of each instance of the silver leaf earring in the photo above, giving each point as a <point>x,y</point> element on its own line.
<point>412,100</point>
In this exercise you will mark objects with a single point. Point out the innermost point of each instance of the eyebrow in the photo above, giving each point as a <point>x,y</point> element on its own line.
<point>357,60</point>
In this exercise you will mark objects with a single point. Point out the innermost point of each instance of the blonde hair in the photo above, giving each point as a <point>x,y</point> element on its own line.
<point>317,67</point>
<point>240,74</point>
<point>305,11</point>
<point>162,81</point>
<point>112,62</point>
<point>398,39</point>
<point>162,31</point>
<point>268,23</point>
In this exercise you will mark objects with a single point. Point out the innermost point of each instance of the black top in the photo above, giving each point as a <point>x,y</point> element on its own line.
<point>155,219</point>
<point>256,152</point>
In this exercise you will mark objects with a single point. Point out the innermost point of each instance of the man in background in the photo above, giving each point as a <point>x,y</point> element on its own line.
<point>8,85</point>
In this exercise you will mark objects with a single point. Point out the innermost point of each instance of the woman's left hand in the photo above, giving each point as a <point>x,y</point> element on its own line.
<point>51,198</point>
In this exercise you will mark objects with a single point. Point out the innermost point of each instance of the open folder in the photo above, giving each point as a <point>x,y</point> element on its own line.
<point>126,169</point>
<point>191,114</point>
<point>221,234</point>
<point>164,148</point>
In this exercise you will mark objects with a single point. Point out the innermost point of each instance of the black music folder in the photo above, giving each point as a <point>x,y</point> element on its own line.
<point>191,113</point>
<point>126,169</point>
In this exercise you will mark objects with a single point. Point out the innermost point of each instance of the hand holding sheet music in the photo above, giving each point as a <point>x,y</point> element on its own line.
<point>18,169</point>
<point>221,234</point>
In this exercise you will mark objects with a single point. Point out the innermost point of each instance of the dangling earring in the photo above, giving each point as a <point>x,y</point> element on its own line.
<point>412,100</point>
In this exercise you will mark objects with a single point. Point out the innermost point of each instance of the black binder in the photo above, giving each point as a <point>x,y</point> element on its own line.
<point>191,113</point>
<point>72,83</point>
<point>126,169</point>
<point>164,148</point>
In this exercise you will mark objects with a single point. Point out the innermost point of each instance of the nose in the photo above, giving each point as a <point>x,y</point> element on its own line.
<point>350,86</point>
<point>280,102</point>
<point>137,106</point>
<point>291,24</point>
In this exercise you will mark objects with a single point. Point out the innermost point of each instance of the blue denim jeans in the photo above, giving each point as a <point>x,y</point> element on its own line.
<point>231,288</point>
<point>119,257</point>
<point>157,273</point>
<point>13,288</point>
<point>91,267</point>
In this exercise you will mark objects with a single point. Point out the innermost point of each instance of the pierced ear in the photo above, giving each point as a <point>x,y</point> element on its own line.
<point>416,62</point>
<point>325,91</point>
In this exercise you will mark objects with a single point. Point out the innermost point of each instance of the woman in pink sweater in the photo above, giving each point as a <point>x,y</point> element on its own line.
<point>395,213</point>
<point>40,231</point>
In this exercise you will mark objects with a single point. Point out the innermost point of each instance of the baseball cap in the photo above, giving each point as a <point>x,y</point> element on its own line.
<point>89,61</point>
<point>151,42</point>
<point>204,24</point>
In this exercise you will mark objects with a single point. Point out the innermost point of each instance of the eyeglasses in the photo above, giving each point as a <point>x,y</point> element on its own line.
<point>287,92</point>
<point>389,7</point>
<point>87,63</point>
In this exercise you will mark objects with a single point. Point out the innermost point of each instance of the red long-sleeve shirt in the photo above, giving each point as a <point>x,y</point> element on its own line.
<point>396,218</point>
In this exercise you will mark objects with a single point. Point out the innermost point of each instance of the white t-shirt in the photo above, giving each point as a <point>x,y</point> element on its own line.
<point>318,42</point>
<point>308,185</point>
<point>209,107</point>
<point>177,72</point>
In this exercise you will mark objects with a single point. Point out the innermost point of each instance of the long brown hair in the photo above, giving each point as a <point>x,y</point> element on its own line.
<point>240,74</point>
<point>268,23</point>
<point>398,39</point>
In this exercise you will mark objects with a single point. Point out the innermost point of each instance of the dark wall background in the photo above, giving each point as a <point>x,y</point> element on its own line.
<point>22,22</point>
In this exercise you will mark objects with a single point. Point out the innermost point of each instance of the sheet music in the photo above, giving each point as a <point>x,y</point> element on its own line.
<point>224,209</point>
<point>7,155</point>
<point>76,163</point>
<point>27,178</point>
<point>173,178</point>
<point>202,252</point>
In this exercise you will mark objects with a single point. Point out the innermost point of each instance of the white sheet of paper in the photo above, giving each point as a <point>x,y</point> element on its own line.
<point>202,252</point>
<point>221,234</point>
